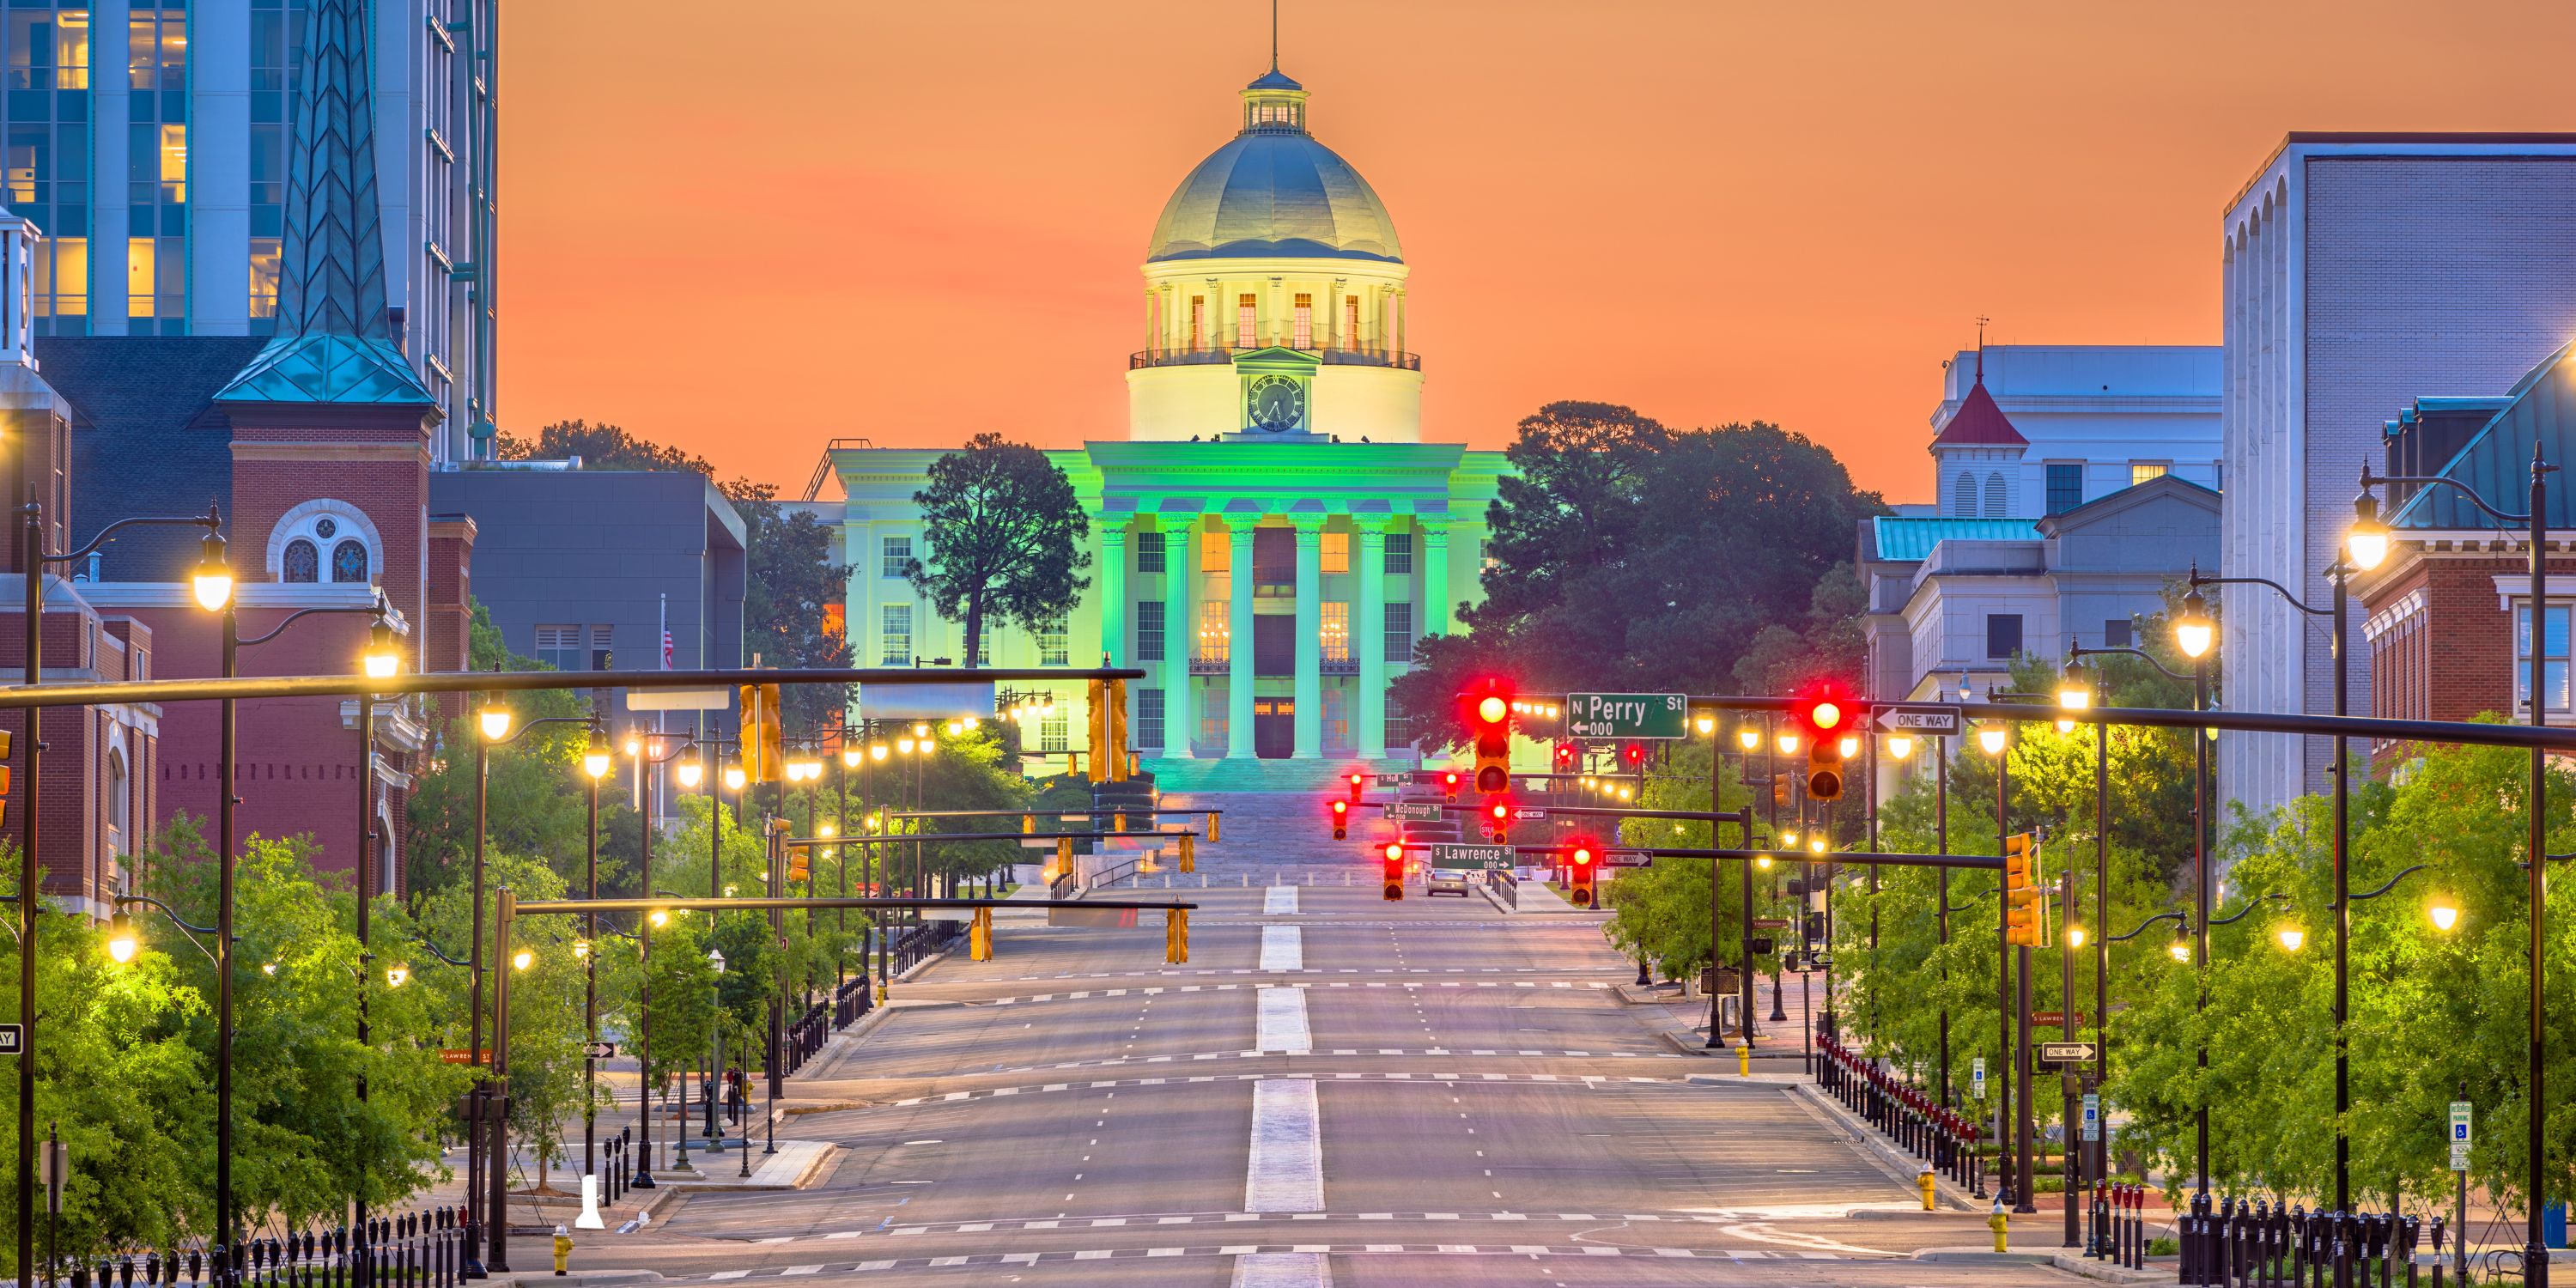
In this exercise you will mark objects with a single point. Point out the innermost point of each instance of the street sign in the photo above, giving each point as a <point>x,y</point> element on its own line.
<point>2056,1019</point>
<point>2459,1135</point>
<point>1920,721</point>
<point>1525,815</point>
<point>1626,716</point>
<point>1413,811</point>
<point>599,1050</point>
<point>2092,1116</point>
<point>13,1040</point>
<point>1770,923</point>
<point>1977,1076</point>
<point>1471,858</point>
<point>459,1055</point>
<point>1392,780</point>
<point>1627,859</point>
<point>2066,1052</point>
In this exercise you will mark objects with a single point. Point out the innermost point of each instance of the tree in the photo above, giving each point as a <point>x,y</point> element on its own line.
<point>1002,523</point>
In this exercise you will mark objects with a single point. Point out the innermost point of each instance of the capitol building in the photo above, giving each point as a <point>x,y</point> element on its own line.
<point>1272,535</point>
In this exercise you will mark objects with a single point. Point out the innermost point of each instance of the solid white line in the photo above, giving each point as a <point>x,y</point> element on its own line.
<point>1283,1022</point>
<point>1286,1171</point>
<point>1279,899</point>
<point>1283,1270</point>
<point>1283,948</point>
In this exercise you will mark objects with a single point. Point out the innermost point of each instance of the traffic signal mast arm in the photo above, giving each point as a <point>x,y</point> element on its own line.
<point>1601,811</point>
<point>891,838</point>
<point>1973,862</point>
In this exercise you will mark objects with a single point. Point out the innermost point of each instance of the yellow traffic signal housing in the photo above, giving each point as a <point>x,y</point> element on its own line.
<point>1216,830</point>
<point>1189,853</point>
<point>2021,893</point>
<point>1109,731</point>
<point>979,936</point>
<point>799,865</point>
<point>763,755</point>
<point>1825,769</point>
<point>1176,936</point>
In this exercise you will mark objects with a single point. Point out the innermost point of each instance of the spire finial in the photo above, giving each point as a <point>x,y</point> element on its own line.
<point>1981,349</point>
<point>1274,35</point>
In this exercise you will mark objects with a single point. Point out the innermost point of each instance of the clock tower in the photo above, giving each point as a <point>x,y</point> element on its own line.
<point>1274,296</point>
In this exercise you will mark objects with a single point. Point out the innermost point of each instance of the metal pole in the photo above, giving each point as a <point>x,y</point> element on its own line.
<point>480,1097</point>
<point>496,1161</point>
<point>2004,1153</point>
<point>31,554</point>
<point>2096,1159</point>
<point>224,1230</point>
<point>2067,1080</point>
<point>2342,899</point>
<point>366,890</point>
<point>1716,802</point>
<point>1941,913</point>
<point>590,995</point>
<point>2535,1256</point>
<point>1746,983</point>
<point>776,1055</point>
<point>2200,909</point>
<point>644,961</point>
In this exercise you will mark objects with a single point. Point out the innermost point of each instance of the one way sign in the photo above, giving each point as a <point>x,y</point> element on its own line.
<point>1926,721</point>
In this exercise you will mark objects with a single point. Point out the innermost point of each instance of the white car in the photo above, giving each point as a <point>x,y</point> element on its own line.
<point>1444,881</point>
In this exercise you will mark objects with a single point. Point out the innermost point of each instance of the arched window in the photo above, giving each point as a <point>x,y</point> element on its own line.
<point>349,562</point>
<point>1994,496</point>
<point>301,563</point>
<point>120,806</point>
<point>1963,495</point>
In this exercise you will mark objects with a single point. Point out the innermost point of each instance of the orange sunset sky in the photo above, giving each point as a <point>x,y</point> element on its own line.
<point>748,229</point>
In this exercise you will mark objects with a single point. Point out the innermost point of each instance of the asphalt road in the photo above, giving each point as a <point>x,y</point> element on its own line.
<point>1336,1090</point>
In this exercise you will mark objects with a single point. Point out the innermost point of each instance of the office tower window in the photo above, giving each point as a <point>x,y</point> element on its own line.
<point>560,647</point>
<point>48,50</point>
<point>264,255</point>
<point>602,652</point>
<point>1334,632</point>
<point>2003,634</point>
<point>1149,719</point>
<point>894,556</point>
<point>2147,471</point>
<point>61,282</point>
<point>2117,633</point>
<point>1336,551</point>
<point>48,158</point>
<point>1247,323</point>
<point>894,635</point>
<point>2065,488</point>
<point>1054,648</point>
<point>1149,552</point>
<point>1399,554</point>
<point>1149,630</point>
<point>157,53</point>
<point>1305,325</point>
<point>301,562</point>
<point>1399,633</point>
<point>1216,635</point>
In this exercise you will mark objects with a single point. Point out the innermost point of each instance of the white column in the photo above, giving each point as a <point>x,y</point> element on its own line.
<point>1113,594</point>
<point>1309,725</point>
<point>1238,688</point>
<point>1436,602</point>
<point>1180,638</point>
<point>1370,637</point>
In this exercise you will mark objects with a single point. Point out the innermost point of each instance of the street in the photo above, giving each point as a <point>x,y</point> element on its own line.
<point>1334,1085</point>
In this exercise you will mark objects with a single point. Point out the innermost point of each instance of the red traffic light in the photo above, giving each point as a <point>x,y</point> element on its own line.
<point>1341,807</point>
<point>1501,810</point>
<point>1825,708</point>
<point>1395,851</point>
<point>1582,855</point>
<point>1633,754</point>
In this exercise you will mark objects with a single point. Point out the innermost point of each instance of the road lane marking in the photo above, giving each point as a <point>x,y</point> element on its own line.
<point>1242,1251</point>
<point>1282,1024</point>
<point>1282,1270</point>
<point>1283,948</point>
<point>1286,1169</point>
<point>1279,899</point>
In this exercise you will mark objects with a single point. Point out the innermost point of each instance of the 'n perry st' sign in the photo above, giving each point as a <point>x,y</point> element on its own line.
<point>1626,715</point>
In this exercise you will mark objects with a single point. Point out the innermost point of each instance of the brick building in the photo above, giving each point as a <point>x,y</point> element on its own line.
<point>2447,616</point>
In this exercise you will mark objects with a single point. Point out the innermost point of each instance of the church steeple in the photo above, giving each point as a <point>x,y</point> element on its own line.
<point>335,342</point>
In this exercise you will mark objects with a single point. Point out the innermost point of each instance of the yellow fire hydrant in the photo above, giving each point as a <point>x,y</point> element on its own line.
<point>1923,1182</point>
<point>563,1250</point>
<point>1743,1061</point>
<point>1995,1222</point>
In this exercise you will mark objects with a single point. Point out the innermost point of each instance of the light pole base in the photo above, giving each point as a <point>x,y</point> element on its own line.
<point>589,1218</point>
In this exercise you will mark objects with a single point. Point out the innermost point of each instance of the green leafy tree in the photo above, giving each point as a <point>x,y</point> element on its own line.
<point>1004,527</point>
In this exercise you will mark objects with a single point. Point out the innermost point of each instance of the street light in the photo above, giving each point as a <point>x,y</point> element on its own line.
<point>2292,937</point>
<point>120,938</point>
<point>383,661</point>
<point>494,720</point>
<point>1707,724</point>
<point>2367,539</point>
<point>1788,740</point>
<point>213,579</point>
<point>1900,745</point>
<point>2074,936</point>
<point>595,760</point>
<point>690,773</point>
<point>2445,914</point>
<point>1991,736</point>
<point>734,778</point>
<point>1749,738</point>
<point>397,975</point>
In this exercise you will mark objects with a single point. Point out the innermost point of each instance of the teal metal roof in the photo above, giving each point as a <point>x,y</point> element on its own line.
<point>2496,462</point>
<point>1911,540</point>
<point>328,369</point>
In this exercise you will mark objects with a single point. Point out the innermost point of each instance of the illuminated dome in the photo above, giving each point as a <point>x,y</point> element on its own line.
<point>1273,191</point>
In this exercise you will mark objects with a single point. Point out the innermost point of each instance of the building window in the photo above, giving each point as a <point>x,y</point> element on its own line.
<point>1216,631</point>
<point>1350,321</point>
<point>1216,553</point>
<point>1053,726</point>
<point>1336,551</point>
<point>603,657</point>
<point>2117,633</point>
<point>1399,554</point>
<point>264,256</point>
<point>895,635</point>
<point>1053,647</point>
<point>1399,633</point>
<point>895,557</point>
<point>1334,632</point>
<point>1399,730</point>
<point>324,540</point>
<point>1149,630</point>
<point>1149,552</point>
<point>349,562</point>
<point>1994,496</point>
<point>1246,323</point>
<point>1149,719</point>
<point>1198,323</point>
<point>302,562</point>
<point>2553,657</point>
<point>1274,563</point>
<point>2003,634</point>
<point>2147,471</point>
<point>1213,709</point>
<point>2065,488</point>
<point>560,647</point>
<point>1963,496</point>
<point>1305,322</point>
<point>1337,719</point>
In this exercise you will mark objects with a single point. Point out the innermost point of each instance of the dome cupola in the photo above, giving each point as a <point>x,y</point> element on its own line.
<point>1273,191</point>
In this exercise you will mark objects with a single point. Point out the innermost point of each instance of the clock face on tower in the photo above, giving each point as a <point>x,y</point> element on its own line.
<point>1276,403</point>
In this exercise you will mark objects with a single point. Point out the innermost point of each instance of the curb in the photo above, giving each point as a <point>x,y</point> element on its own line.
<point>2106,1271</point>
<point>1951,1196</point>
<point>581,1278</point>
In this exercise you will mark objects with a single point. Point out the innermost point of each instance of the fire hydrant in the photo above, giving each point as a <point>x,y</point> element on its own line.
<point>563,1250</point>
<point>1743,1061</point>
<point>1995,1222</point>
<point>1923,1182</point>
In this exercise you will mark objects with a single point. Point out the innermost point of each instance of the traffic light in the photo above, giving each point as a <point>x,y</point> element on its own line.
<point>1498,815</point>
<point>1632,757</point>
<point>2021,893</point>
<point>1449,784</point>
<point>800,864</point>
<point>7,741</point>
<point>1825,715</point>
<point>763,758</point>
<point>1579,862</point>
<point>1395,869</point>
<point>1564,757</point>
<point>1487,712</point>
<point>1341,820</point>
<point>1108,700</point>
<point>1358,781</point>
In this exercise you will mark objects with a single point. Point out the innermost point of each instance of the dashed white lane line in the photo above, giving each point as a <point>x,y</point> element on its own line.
<point>1279,899</point>
<point>1286,1169</point>
<point>1195,1057</point>
<point>1282,1022</point>
<point>1080,995</point>
<point>1283,948</point>
<point>1242,1250</point>
<point>1427,1078</point>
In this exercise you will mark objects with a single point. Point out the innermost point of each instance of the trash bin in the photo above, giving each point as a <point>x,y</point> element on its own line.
<point>2553,1225</point>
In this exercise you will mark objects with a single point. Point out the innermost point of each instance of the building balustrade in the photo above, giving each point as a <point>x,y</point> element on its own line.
<point>1329,356</point>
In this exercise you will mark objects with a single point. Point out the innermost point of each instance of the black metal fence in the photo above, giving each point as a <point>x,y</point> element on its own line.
<point>850,1001</point>
<point>1909,1117</point>
<point>912,944</point>
<point>2252,1244</point>
<point>414,1250</point>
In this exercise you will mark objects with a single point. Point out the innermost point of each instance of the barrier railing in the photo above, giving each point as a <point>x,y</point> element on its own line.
<point>413,1250</point>
<point>1944,1139</point>
<point>2252,1244</point>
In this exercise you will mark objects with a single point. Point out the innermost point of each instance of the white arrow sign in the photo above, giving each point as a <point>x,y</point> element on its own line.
<point>1926,721</point>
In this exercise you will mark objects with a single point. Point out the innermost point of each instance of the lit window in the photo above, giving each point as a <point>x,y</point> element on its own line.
<point>138,277</point>
<point>1334,632</point>
<point>64,275</point>
<point>1216,553</point>
<point>1246,323</point>
<point>264,253</point>
<point>1216,633</point>
<point>2147,471</point>
<point>896,635</point>
<point>2553,659</point>
<point>1337,552</point>
<point>1053,646</point>
<point>1350,321</point>
<point>174,163</point>
<point>895,557</point>
<point>1305,324</point>
<point>1198,322</point>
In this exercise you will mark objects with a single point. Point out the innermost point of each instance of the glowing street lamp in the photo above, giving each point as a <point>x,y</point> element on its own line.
<point>2194,631</point>
<point>494,720</point>
<point>213,579</point>
<point>1991,737</point>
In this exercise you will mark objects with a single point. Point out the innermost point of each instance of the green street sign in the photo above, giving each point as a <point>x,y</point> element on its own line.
<point>1471,858</point>
<point>1413,811</point>
<point>1627,716</point>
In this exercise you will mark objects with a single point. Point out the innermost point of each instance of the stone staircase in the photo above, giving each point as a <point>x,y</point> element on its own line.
<point>1284,829</point>
<point>1173,775</point>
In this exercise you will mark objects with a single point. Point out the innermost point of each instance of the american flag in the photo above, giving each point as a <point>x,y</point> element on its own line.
<point>666,649</point>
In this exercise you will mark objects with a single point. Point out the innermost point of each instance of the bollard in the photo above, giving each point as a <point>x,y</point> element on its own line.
<point>1995,1221</point>
<point>563,1251</point>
